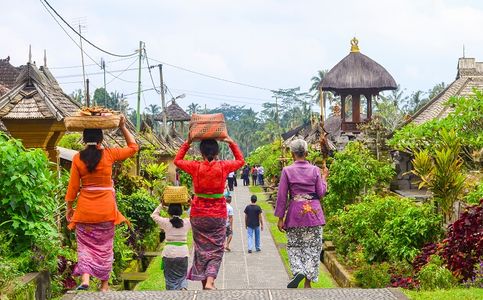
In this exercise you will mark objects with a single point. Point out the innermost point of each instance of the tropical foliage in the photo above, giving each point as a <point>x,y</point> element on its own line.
<point>385,228</point>
<point>353,172</point>
<point>466,120</point>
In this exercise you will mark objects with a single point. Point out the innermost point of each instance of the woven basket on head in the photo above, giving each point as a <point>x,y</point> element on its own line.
<point>175,194</point>
<point>79,123</point>
<point>203,127</point>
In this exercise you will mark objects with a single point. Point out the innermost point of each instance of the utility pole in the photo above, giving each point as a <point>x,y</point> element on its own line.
<point>88,99</point>
<point>163,101</point>
<point>83,68</point>
<point>138,112</point>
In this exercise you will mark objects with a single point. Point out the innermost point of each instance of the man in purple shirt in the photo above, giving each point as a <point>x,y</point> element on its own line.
<point>300,214</point>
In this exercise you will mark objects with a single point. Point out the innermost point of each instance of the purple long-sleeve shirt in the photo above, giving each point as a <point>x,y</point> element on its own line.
<point>300,178</point>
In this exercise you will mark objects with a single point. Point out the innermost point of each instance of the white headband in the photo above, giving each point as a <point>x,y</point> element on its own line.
<point>91,144</point>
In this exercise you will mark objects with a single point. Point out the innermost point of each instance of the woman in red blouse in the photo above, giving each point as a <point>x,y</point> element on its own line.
<point>208,208</point>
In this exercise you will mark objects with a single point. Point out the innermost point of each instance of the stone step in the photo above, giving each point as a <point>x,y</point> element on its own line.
<point>260,294</point>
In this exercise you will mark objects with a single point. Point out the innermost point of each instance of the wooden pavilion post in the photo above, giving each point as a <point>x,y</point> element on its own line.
<point>356,108</point>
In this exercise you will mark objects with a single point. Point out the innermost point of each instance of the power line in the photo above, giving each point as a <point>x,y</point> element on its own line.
<point>75,42</point>
<point>117,77</point>
<point>88,65</point>
<point>213,77</point>
<point>150,74</point>
<point>223,95</point>
<point>80,35</point>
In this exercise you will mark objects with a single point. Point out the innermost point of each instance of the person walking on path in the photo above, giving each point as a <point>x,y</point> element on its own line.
<point>175,253</point>
<point>96,213</point>
<point>261,171</point>
<point>300,214</point>
<point>229,223</point>
<point>253,223</point>
<point>208,208</point>
<point>254,173</point>
<point>246,175</point>
<point>231,180</point>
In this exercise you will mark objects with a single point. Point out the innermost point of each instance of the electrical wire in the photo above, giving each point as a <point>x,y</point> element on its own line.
<point>213,77</point>
<point>216,94</point>
<point>150,74</point>
<point>75,42</point>
<point>80,35</point>
<point>117,77</point>
<point>88,65</point>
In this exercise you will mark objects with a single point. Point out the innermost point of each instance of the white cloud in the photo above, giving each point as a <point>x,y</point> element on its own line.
<point>269,43</point>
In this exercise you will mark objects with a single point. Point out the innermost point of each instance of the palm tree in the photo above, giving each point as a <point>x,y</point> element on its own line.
<point>315,91</point>
<point>153,110</point>
<point>193,108</point>
<point>314,88</point>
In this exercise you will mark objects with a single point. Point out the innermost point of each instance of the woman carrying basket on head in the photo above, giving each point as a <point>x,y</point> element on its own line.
<point>208,209</point>
<point>96,214</point>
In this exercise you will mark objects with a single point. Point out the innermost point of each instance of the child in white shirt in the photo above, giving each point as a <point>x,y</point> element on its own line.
<point>175,252</point>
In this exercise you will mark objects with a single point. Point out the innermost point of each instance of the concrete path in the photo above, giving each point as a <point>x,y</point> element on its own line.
<point>241,270</point>
<point>260,294</point>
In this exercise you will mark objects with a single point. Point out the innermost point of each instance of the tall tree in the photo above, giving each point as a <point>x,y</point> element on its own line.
<point>152,111</point>
<point>78,96</point>
<point>193,108</point>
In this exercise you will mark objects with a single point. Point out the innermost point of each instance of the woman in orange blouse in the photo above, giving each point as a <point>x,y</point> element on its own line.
<point>96,213</point>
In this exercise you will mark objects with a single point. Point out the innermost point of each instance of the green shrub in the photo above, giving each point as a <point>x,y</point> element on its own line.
<point>28,205</point>
<point>123,254</point>
<point>435,276</point>
<point>475,196</point>
<point>353,172</point>
<point>465,120</point>
<point>138,208</point>
<point>373,276</point>
<point>269,157</point>
<point>72,141</point>
<point>385,228</point>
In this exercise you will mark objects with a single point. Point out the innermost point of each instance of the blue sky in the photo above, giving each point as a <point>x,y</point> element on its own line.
<point>271,44</point>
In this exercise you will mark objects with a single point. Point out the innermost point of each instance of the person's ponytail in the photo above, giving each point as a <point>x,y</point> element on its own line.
<point>175,211</point>
<point>91,155</point>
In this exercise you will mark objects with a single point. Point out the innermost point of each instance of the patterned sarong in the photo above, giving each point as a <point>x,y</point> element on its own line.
<point>304,245</point>
<point>209,236</point>
<point>94,249</point>
<point>175,269</point>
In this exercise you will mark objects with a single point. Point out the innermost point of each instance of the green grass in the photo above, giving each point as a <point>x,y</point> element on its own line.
<point>280,238</point>
<point>456,293</point>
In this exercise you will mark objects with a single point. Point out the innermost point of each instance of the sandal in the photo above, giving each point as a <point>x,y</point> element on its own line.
<point>294,283</point>
<point>82,287</point>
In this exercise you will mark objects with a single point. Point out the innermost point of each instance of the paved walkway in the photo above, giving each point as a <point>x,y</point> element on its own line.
<point>241,270</point>
<point>265,294</point>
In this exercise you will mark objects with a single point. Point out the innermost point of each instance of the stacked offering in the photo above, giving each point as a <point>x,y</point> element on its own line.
<point>93,117</point>
<point>175,194</point>
<point>203,127</point>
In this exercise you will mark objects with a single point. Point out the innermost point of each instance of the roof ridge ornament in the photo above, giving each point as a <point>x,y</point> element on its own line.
<point>355,45</point>
<point>30,54</point>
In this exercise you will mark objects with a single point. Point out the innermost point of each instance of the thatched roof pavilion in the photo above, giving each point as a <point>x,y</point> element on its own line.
<point>354,76</point>
<point>34,107</point>
<point>174,114</point>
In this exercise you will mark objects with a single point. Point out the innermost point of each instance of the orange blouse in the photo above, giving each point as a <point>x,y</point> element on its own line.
<point>96,200</point>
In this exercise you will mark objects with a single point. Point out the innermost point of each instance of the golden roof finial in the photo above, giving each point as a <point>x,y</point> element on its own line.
<point>355,45</point>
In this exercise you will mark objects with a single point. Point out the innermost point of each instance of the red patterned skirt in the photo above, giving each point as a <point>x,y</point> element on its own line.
<point>209,236</point>
<point>94,249</point>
